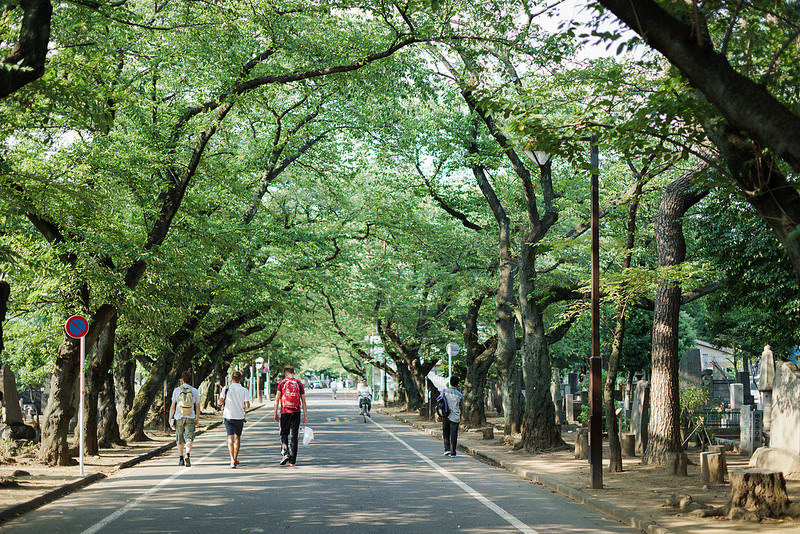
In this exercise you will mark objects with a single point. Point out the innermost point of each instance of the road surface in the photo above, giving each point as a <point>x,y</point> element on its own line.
<point>355,477</point>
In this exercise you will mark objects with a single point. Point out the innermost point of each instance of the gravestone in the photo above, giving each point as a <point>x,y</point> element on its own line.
<point>737,395</point>
<point>743,377</point>
<point>555,392</point>
<point>785,427</point>
<point>749,429</point>
<point>765,378</point>
<point>12,412</point>
<point>640,414</point>
<point>690,367</point>
<point>573,382</point>
<point>571,404</point>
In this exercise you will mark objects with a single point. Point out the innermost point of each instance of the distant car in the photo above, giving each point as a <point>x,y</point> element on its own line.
<point>316,384</point>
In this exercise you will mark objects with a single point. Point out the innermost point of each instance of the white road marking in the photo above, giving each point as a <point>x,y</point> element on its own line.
<point>97,527</point>
<point>510,519</point>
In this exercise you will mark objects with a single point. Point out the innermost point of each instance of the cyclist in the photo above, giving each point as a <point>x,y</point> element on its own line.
<point>364,395</point>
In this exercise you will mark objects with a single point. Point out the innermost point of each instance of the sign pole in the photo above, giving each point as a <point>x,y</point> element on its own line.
<point>81,447</point>
<point>77,327</point>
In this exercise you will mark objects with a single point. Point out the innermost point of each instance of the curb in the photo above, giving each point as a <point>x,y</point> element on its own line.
<point>623,516</point>
<point>19,509</point>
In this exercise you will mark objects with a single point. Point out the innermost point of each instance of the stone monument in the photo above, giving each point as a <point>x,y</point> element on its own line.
<point>640,414</point>
<point>765,379</point>
<point>783,453</point>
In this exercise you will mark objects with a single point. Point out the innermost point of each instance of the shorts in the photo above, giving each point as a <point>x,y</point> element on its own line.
<point>234,426</point>
<point>184,429</point>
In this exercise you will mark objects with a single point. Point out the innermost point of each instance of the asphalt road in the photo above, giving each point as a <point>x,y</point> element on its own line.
<point>355,477</point>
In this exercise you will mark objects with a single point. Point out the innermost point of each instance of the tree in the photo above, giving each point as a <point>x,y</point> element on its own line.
<point>755,127</point>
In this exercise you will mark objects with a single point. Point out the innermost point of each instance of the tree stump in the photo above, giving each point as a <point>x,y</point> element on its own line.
<point>712,467</point>
<point>628,443</point>
<point>720,449</point>
<point>675,463</point>
<point>488,432</point>
<point>582,444</point>
<point>759,490</point>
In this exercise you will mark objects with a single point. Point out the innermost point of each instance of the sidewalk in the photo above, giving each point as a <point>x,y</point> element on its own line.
<point>636,497</point>
<point>26,484</point>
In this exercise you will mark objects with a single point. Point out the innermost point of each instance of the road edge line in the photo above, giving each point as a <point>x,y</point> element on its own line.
<point>619,514</point>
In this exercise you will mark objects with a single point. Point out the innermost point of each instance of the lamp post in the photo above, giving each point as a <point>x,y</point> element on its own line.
<point>595,369</point>
<point>452,350</point>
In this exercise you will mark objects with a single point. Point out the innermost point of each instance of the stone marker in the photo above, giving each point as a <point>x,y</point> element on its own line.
<point>737,395</point>
<point>628,443</point>
<point>582,444</point>
<point>749,429</point>
<point>690,366</point>
<point>765,378</point>
<point>785,427</point>
<point>640,414</point>
<point>12,412</point>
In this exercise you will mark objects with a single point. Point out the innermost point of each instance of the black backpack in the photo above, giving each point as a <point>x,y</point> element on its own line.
<point>442,410</point>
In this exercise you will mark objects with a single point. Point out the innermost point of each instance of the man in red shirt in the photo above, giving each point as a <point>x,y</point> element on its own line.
<point>291,398</point>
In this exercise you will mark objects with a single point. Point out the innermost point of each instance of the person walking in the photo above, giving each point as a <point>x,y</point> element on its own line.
<point>184,414</point>
<point>334,387</point>
<point>455,402</point>
<point>290,400</point>
<point>234,400</point>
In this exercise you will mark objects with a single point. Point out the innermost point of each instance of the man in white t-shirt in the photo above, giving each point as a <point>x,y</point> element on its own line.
<point>364,395</point>
<point>184,414</point>
<point>234,400</point>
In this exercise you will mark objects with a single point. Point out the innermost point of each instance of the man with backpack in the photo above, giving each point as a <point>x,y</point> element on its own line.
<point>454,405</point>
<point>234,400</point>
<point>290,399</point>
<point>184,415</point>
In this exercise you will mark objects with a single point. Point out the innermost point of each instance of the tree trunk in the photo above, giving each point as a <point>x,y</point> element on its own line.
<point>108,433</point>
<point>664,427</point>
<point>412,394</point>
<point>539,429</point>
<point>26,61</point>
<point>479,359</point>
<point>5,293</point>
<point>124,382</point>
<point>96,374</point>
<point>60,405</point>
<point>133,427</point>
<point>506,353</point>
<point>612,424</point>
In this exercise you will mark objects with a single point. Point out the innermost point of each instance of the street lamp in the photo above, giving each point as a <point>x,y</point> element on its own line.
<point>542,159</point>
<point>596,367</point>
<point>452,350</point>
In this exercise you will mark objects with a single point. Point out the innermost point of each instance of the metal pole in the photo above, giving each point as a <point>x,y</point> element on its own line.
<point>596,376</point>
<point>81,422</point>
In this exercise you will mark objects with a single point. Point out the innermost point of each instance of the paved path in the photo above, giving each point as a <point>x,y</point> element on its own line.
<point>374,477</point>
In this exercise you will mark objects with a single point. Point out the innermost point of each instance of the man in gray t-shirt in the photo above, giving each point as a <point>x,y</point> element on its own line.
<point>455,402</point>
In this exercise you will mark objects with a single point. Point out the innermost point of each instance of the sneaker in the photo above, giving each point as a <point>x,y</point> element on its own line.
<point>447,453</point>
<point>452,455</point>
<point>284,460</point>
<point>180,461</point>
<point>188,461</point>
<point>291,465</point>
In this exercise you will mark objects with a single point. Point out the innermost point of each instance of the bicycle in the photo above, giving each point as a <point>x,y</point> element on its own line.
<point>363,403</point>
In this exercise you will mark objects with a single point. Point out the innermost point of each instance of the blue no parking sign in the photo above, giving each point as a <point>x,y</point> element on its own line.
<point>76,326</point>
